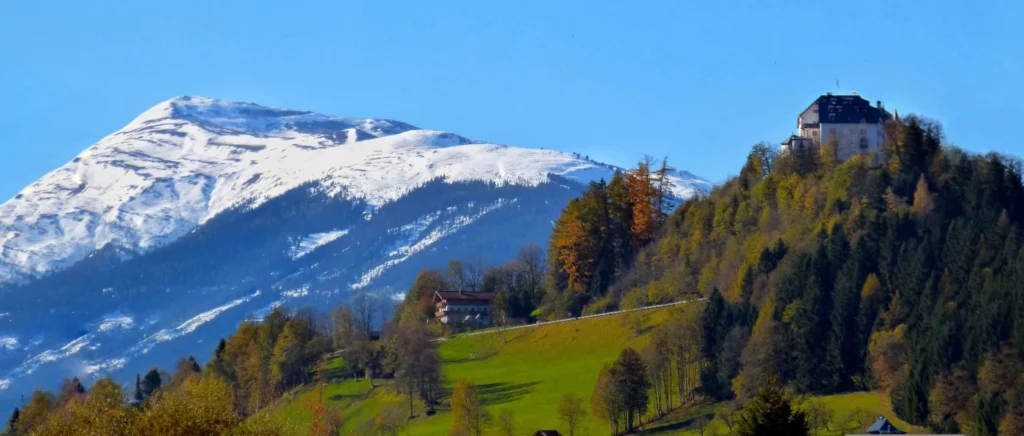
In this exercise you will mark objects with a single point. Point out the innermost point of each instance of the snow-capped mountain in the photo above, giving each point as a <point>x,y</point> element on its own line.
<point>202,212</point>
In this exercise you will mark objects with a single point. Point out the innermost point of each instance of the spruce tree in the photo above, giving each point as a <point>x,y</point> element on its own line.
<point>772,413</point>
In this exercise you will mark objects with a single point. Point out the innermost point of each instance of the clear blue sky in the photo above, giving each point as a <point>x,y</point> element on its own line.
<point>611,79</point>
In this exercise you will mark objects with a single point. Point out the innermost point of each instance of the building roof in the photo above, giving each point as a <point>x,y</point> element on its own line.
<point>883,426</point>
<point>547,433</point>
<point>455,297</point>
<point>848,109</point>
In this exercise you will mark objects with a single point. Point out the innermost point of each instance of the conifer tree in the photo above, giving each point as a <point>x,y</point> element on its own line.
<point>772,412</point>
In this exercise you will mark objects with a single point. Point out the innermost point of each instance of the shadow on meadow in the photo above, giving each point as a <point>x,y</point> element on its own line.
<point>499,393</point>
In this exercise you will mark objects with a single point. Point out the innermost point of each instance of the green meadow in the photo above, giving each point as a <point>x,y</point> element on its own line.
<point>527,373</point>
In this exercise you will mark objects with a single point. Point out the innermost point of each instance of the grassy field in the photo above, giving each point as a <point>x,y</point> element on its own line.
<point>529,373</point>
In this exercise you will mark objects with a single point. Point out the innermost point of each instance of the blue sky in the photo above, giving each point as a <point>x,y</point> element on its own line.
<point>697,81</point>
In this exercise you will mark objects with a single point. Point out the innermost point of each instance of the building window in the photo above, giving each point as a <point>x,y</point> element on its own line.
<point>863,143</point>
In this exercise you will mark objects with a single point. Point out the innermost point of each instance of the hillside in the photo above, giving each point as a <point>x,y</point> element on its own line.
<point>160,238</point>
<point>898,272</point>
<point>528,375</point>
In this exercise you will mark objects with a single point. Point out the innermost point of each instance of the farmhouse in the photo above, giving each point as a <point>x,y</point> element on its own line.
<point>850,121</point>
<point>463,308</point>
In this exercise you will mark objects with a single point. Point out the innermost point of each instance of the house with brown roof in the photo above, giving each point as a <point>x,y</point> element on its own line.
<point>463,308</point>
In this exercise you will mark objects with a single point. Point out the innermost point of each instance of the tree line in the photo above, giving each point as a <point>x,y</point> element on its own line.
<point>250,369</point>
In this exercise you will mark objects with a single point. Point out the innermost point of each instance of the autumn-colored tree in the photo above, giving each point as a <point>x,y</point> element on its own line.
<point>924,200</point>
<point>200,406</point>
<point>644,196</point>
<point>418,301</point>
<point>1013,418</point>
<point>186,369</point>
<point>570,409</point>
<point>286,362</point>
<point>998,369</point>
<point>34,413</point>
<point>605,403</point>
<point>949,396</point>
<point>103,411</point>
<point>888,354</point>
<point>469,417</point>
<point>71,389</point>
<point>574,247</point>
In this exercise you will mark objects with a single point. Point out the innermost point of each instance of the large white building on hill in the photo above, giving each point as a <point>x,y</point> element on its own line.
<point>851,121</point>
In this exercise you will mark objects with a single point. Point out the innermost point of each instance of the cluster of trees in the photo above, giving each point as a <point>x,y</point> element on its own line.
<point>598,236</point>
<point>248,370</point>
<point>192,402</point>
<point>899,272</point>
<point>261,360</point>
<point>518,287</point>
<point>622,393</point>
<point>665,375</point>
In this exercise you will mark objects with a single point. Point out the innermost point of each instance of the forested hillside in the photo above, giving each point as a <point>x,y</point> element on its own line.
<point>900,272</point>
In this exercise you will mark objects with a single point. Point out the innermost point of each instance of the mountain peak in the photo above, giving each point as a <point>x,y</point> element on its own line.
<point>188,159</point>
<point>219,114</point>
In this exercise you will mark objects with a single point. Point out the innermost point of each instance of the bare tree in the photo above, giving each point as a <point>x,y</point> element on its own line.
<point>391,420</point>
<point>570,408</point>
<point>418,366</point>
<point>364,306</point>
<point>456,275</point>
<point>819,416</point>
<point>700,424</point>
<point>499,313</point>
<point>728,415</point>
<point>346,324</point>
<point>506,422</point>
<point>767,154</point>
<point>530,268</point>
<point>473,272</point>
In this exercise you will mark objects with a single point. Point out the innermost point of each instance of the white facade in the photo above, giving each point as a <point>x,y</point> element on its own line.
<point>851,122</point>
<point>851,139</point>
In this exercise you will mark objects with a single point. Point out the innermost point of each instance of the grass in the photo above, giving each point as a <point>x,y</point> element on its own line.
<point>528,375</point>
<point>292,410</point>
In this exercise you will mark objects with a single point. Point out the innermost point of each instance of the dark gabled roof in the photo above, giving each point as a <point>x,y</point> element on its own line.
<point>464,297</point>
<point>883,426</point>
<point>848,109</point>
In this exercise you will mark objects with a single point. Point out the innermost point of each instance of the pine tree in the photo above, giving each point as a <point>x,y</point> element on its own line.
<point>12,422</point>
<point>151,382</point>
<point>772,412</point>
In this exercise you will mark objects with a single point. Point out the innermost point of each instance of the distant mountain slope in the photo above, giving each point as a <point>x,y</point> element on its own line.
<point>188,159</point>
<point>161,237</point>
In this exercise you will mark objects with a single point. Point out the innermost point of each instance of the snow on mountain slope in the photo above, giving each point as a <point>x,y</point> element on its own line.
<point>188,159</point>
